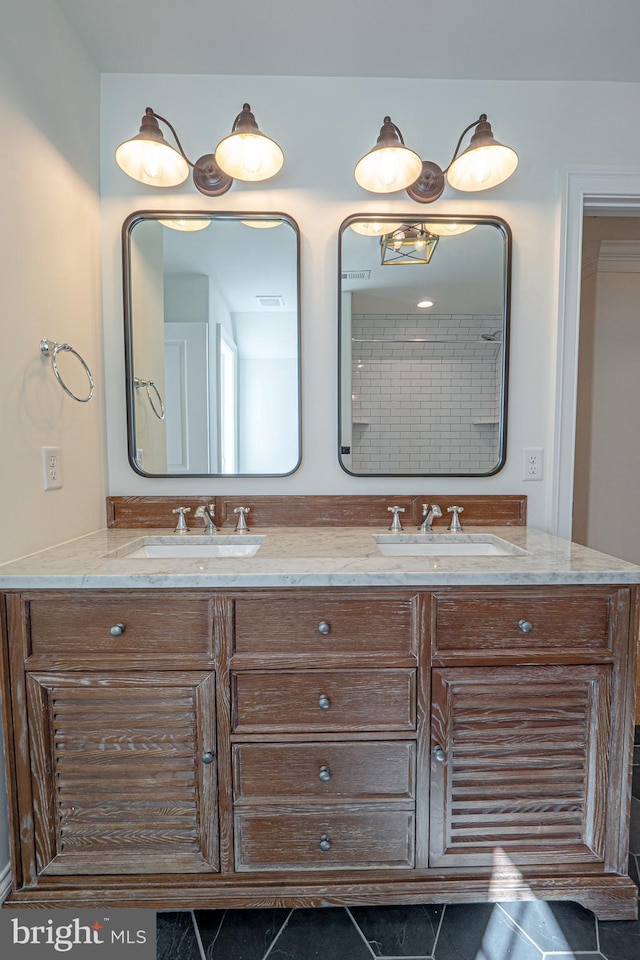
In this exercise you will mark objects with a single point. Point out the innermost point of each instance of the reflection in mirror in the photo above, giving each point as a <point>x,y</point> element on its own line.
<point>424,334</point>
<point>212,343</point>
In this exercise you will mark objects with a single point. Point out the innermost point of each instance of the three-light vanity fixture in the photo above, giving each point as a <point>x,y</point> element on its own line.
<point>248,154</point>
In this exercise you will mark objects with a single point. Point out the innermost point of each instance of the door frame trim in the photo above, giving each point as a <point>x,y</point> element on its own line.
<point>601,189</point>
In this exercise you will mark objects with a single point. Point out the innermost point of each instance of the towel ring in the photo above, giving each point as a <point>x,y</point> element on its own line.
<point>49,348</point>
<point>149,385</point>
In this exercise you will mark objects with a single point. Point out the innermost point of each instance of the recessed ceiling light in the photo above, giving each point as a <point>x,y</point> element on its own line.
<point>423,304</point>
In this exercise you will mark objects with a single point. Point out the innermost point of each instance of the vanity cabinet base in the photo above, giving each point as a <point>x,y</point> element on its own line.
<point>608,897</point>
<point>310,747</point>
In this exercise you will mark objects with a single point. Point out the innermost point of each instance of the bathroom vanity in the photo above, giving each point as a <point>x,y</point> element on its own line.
<point>319,723</point>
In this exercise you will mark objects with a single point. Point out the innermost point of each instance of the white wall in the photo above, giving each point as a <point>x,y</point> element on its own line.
<point>545,122</point>
<point>49,277</point>
<point>49,283</point>
<point>267,425</point>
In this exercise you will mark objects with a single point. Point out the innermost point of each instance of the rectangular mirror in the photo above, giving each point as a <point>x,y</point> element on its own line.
<point>212,343</point>
<point>423,348</point>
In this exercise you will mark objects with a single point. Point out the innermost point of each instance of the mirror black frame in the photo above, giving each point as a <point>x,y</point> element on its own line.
<point>127,227</point>
<point>503,227</point>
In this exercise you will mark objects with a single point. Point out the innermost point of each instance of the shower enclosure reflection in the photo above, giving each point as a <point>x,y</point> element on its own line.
<point>424,325</point>
<point>212,344</point>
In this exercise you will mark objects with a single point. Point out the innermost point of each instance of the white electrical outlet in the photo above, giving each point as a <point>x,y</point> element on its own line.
<point>52,468</point>
<point>532,463</point>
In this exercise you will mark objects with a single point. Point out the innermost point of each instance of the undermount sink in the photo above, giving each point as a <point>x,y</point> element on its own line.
<point>186,546</point>
<point>445,545</point>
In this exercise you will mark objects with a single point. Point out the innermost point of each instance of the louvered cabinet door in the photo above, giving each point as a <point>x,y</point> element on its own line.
<point>123,772</point>
<point>519,764</point>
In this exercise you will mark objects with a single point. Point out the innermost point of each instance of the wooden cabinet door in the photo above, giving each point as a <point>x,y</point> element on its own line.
<point>123,772</point>
<point>519,765</point>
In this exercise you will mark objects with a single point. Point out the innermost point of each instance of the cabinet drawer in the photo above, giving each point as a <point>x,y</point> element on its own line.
<point>324,700</point>
<point>318,626</point>
<point>515,621</point>
<point>356,840</point>
<point>324,771</point>
<point>81,624</point>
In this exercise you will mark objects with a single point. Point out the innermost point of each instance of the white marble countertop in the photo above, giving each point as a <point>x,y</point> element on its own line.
<point>312,556</point>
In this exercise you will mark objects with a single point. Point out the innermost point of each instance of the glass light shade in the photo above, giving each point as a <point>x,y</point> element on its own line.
<point>372,228</point>
<point>387,169</point>
<point>484,164</point>
<point>187,225</point>
<point>262,224</point>
<point>148,158</point>
<point>451,229</point>
<point>249,156</point>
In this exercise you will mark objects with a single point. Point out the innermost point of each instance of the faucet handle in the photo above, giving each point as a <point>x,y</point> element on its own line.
<point>396,526</point>
<point>181,526</point>
<point>241,525</point>
<point>455,526</point>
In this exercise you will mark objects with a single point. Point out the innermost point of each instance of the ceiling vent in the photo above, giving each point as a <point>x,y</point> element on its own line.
<point>356,275</point>
<point>275,301</point>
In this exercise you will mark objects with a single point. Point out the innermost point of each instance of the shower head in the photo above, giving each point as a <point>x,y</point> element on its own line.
<point>495,337</point>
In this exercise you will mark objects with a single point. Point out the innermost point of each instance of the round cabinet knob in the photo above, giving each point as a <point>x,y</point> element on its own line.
<point>208,757</point>
<point>525,626</point>
<point>439,754</point>
<point>324,628</point>
<point>325,843</point>
<point>117,629</point>
<point>324,774</point>
<point>323,702</point>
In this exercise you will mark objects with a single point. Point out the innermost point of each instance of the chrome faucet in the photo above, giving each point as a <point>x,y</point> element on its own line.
<point>207,514</point>
<point>396,526</point>
<point>241,525</point>
<point>181,526</point>
<point>455,526</point>
<point>429,513</point>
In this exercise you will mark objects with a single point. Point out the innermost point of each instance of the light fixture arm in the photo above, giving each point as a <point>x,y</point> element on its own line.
<point>207,175</point>
<point>149,112</point>
<point>482,119</point>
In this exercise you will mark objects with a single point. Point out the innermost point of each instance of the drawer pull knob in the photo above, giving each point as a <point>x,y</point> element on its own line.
<point>208,757</point>
<point>324,628</point>
<point>525,625</point>
<point>117,630</point>
<point>325,843</point>
<point>324,774</point>
<point>439,754</point>
<point>323,702</point>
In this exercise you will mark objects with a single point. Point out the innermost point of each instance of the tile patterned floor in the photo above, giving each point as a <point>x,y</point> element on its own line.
<point>483,931</point>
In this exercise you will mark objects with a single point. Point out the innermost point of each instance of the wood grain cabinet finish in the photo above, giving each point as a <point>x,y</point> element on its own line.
<point>519,762</point>
<point>526,620</point>
<point>360,839</point>
<point>118,625</point>
<point>301,747</point>
<point>331,700</point>
<point>321,627</point>
<point>324,772</point>
<point>120,773</point>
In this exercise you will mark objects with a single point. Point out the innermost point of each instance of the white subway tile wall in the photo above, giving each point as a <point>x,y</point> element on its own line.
<point>425,407</point>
